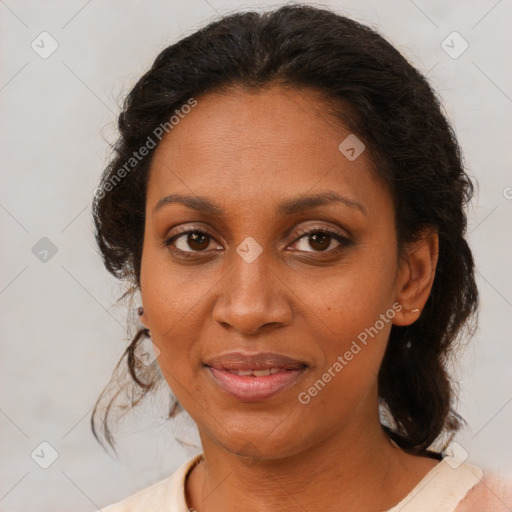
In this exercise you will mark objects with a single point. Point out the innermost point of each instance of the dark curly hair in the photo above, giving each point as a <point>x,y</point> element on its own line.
<point>380,97</point>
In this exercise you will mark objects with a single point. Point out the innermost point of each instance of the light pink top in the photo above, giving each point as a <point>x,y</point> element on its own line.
<point>445,488</point>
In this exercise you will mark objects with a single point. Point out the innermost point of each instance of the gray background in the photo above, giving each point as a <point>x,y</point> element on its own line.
<point>61,332</point>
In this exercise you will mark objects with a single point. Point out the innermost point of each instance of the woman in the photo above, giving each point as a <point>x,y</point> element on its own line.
<point>288,199</point>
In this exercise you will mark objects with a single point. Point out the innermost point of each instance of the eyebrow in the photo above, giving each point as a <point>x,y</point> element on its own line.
<point>290,206</point>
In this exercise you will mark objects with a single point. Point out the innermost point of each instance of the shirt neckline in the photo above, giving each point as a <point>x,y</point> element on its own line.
<point>440,466</point>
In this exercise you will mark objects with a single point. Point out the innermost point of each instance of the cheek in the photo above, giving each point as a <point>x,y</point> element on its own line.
<point>171,293</point>
<point>349,316</point>
<point>172,299</point>
<point>352,340</point>
<point>348,298</point>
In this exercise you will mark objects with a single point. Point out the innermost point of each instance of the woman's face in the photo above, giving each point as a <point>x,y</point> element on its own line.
<point>258,174</point>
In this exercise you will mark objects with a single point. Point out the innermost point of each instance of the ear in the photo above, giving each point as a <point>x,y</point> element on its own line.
<point>415,276</point>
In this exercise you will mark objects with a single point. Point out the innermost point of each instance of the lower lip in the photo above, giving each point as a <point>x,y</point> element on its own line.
<point>255,389</point>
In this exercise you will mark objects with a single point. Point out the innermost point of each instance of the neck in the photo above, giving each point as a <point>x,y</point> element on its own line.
<point>357,465</point>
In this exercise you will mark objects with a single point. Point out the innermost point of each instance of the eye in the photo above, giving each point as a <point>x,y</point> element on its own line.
<point>320,240</point>
<point>192,240</point>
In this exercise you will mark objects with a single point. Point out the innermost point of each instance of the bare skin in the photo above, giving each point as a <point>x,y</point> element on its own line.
<point>307,299</point>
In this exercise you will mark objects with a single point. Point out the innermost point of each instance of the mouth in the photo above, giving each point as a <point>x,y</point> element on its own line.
<point>256,377</point>
<point>256,373</point>
<point>261,361</point>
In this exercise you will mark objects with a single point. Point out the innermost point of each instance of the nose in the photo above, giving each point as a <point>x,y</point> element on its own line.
<point>252,297</point>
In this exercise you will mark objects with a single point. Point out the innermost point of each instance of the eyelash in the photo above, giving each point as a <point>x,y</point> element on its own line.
<point>342,240</point>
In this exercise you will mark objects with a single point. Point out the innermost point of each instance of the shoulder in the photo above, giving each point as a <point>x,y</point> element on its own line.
<point>168,492</point>
<point>493,493</point>
<point>143,499</point>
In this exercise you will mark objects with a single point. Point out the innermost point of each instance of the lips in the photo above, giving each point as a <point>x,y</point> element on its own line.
<point>254,377</point>
<point>240,362</point>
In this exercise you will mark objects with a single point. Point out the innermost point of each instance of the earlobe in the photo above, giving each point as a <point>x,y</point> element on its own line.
<point>416,276</point>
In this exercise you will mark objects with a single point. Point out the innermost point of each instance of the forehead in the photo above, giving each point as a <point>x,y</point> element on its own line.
<point>238,144</point>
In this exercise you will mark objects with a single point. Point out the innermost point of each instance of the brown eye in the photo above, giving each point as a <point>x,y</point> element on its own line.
<point>190,241</point>
<point>198,241</point>
<point>320,240</point>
